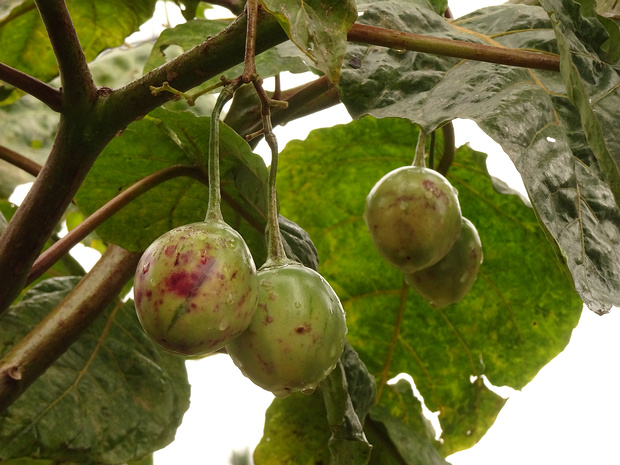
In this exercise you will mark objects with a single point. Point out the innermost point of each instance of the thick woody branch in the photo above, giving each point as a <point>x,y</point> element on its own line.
<point>34,354</point>
<point>76,80</point>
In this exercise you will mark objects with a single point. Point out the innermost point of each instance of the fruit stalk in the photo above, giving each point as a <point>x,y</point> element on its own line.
<point>214,210</point>
<point>275,248</point>
<point>420,155</point>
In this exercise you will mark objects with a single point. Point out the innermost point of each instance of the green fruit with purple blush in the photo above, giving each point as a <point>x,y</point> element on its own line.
<point>414,217</point>
<point>196,288</point>
<point>449,280</point>
<point>297,334</point>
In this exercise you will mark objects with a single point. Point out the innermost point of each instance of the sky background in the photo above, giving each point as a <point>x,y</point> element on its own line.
<point>567,415</point>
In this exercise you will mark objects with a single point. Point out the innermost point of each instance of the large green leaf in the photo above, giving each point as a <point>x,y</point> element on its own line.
<point>113,397</point>
<point>318,28</point>
<point>593,85</point>
<point>167,138</point>
<point>527,112</point>
<point>100,24</point>
<point>518,316</point>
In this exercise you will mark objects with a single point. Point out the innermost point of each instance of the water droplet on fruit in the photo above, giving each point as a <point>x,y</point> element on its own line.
<point>297,304</point>
<point>223,325</point>
<point>281,393</point>
<point>465,277</point>
<point>230,299</point>
<point>145,268</point>
<point>308,390</point>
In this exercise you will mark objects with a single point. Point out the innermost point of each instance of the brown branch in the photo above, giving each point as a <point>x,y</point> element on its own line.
<point>77,83</point>
<point>453,48</point>
<point>20,161</point>
<point>34,354</point>
<point>38,89</point>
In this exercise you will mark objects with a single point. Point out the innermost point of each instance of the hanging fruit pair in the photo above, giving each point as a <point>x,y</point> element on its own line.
<point>197,290</point>
<point>415,222</point>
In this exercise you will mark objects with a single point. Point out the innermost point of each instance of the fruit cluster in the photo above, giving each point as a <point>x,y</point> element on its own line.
<point>415,222</point>
<point>197,290</point>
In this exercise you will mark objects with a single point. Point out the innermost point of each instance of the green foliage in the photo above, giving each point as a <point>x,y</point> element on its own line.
<point>100,25</point>
<point>93,405</point>
<point>528,112</point>
<point>165,139</point>
<point>516,318</point>
<point>114,397</point>
<point>318,27</point>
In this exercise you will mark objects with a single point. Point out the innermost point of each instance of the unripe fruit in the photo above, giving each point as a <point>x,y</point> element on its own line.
<point>196,288</point>
<point>450,280</point>
<point>297,334</point>
<point>414,217</point>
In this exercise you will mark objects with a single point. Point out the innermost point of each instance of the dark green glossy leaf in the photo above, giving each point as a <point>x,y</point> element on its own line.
<point>172,42</point>
<point>100,24</point>
<point>167,138</point>
<point>318,28</point>
<point>113,397</point>
<point>518,316</point>
<point>527,112</point>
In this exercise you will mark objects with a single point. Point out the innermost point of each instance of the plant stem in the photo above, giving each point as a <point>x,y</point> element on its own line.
<point>214,209</point>
<point>453,48</point>
<point>20,161</point>
<point>34,354</point>
<point>420,154</point>
<point>249,68</point>
<point>64,245</point>
<point>276,254</point>
<point>38,89</point>
<point>449,148</point>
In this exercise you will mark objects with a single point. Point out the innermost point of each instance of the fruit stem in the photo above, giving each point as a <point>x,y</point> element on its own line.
<point>420,154</point>
<point>214,210</point>
<point>275,247</point>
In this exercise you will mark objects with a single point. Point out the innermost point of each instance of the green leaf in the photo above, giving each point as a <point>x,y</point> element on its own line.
<point>113,397</point>
<point>347,444</point>
<point>527,112</point>
<point>172,42</point>
<point>100,25</point>
<point>318,28</point>
<point>518,316</point>
<point>593,86</point>
<point>290,423</point>
<point>165,139</point>
<point>398,431</point>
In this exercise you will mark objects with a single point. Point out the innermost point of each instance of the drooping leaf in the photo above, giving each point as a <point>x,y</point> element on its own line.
<point>290,422</point>
<point>318,28</point>
<point>113,397</point>
<point>593,86</point>
<point>308,430</point>
<point>167,138</point>
<point>398,430</point>
<point>347,444</point>
<point>518,316</point>
<point>100,25</point>
<point>528,112</point>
